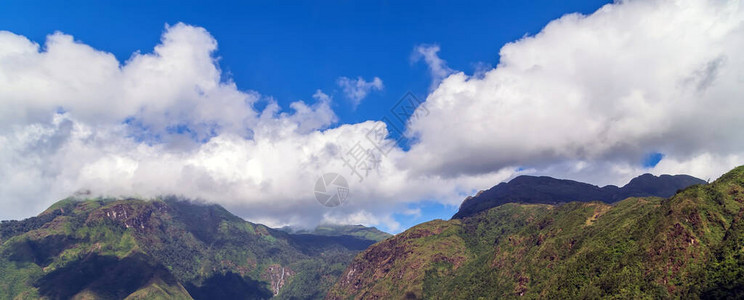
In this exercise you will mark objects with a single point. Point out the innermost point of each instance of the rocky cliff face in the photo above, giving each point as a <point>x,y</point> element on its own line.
<point>132,214</point>
<point>278,276</point>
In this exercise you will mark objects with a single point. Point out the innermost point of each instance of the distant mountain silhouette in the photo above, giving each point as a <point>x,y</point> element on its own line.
<point>548,190</point>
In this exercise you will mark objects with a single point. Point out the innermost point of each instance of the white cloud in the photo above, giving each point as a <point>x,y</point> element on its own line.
<point>438,68</point>
<point>357,89</point>
<point>602,90</point>
<point>587,98</point>
<point>167,122</point>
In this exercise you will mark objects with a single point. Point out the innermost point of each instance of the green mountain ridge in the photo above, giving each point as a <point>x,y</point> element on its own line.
<point>166,248</point>
<point>548,190</point>
<point>361,231</point>
<point>685,246</point>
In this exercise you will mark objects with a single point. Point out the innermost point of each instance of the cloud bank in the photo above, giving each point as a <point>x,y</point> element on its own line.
<point>598,92</point>
<point>167,122</point>
<point>586,98</point>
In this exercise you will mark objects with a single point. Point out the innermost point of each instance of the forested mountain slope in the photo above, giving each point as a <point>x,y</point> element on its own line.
<point>688,246</point>
<point>164,248</point>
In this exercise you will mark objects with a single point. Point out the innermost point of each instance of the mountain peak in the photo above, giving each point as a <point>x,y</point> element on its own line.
<point>684,246</point>
<point>549,190</point>
<point>173,245</point>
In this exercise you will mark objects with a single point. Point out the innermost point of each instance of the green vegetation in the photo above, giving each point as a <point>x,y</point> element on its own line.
<point>164,248</point>
<point>367,233</point>
<point>686,246</point>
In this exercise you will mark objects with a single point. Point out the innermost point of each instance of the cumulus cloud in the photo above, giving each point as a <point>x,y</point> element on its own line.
<point>168,122</point>
<point>592,94</point>
<point>586,98</point>
<point>357,89</point>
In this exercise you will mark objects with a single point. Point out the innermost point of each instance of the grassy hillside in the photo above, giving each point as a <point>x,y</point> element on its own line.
<point>165,248</point>
<point>688,246</point>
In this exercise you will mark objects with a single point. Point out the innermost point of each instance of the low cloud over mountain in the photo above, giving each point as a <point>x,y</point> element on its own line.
<point>587,98</point>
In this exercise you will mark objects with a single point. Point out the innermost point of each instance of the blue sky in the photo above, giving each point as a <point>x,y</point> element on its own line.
<point>290,49</point>
<point>132,98</point>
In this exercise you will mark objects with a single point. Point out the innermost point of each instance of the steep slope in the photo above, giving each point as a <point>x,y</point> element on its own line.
<point>548,190</point>
<point>686,246</point>
<point>163,248</point>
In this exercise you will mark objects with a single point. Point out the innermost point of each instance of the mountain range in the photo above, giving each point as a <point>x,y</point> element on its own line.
<point>539,237</point>
<point>548,190</point>
<point>686,246</point>
<point>167,248</point>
